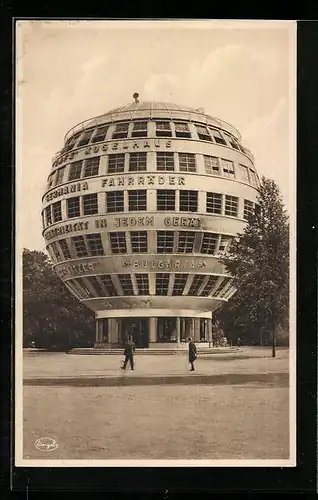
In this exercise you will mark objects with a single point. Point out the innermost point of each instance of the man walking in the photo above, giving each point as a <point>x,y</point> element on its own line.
<point>192,353</point>
<point>129,349</point>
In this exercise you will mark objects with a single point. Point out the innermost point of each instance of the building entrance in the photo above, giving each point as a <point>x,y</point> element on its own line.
<point>137,328</point>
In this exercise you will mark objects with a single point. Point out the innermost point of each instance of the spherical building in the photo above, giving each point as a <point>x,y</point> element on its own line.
<point>141,202</point>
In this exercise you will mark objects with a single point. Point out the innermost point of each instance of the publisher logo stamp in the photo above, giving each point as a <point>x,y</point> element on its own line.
<point>46,444</point>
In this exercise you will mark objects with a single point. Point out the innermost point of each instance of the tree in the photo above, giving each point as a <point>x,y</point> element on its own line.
<point>258,260</point>
<point>51,315</point>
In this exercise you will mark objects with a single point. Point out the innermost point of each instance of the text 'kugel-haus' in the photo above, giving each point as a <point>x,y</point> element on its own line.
<point>140,205</point>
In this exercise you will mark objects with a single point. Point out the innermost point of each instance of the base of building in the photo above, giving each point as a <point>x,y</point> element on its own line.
<point>156,351</point>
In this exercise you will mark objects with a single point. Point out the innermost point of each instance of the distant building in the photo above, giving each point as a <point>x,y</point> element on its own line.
<point>141,202</point>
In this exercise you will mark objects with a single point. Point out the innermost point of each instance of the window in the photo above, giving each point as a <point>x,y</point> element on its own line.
<point>166,199</point>
<point>203,133</point>
<point>165,241</point>
<point>209,242</point>
<point>209,286</point>
<point>196,284</point>
<point>55,251</point>
<point>163,129</point>
<point>115,201</point>
<point>220,287</point>
<point>76,288</point>
<point>82,284</point>
<point>225,243</point>
<point>214,203</point>
<point>75,171</point>
<point>90,204</point>
<point>143,284</point>
<point>139,242</point>
<point>248,209</point>
<point>166,330</point>
<point>108,285</point>
<point>228,169</point>
<point>71,142</point>
<point>186,241</point>
<point>165,162</point>
<point>64,249</point>
<point>95,284</point>
<point>187,162</point>
<point>231,205</point>
<point>100,134</point>
<point>73,207</point>
<point>179,283</point>
<point>50,181</point>
<point>137,162</point>
<point>80,247</point>
<point>116,163</point>
<point>137,199</point>
<point>85,137</point>
<point>91,167</point>
<point>244,173</point>
<point>212,165</point>
<point>126,284</point>
<point>254,179</point>
<point>188,201</point>
<point>48,215</point>
<point>57,211</point>
<point>232,141</point>
<point>217,136</point>
<point>140,129</point>
<point>95,244</point>
<point>59,176</point>
<point>182,129</point>
<point>121,131</point>
<point>162,283</point>
<point>118,242</point>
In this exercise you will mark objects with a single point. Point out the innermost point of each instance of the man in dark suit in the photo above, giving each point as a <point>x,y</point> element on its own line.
<point>192,353</point>
<point>129,349</point>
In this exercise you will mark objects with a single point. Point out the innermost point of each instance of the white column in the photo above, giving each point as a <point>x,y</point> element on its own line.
<point>152,330</point>
<point>178,330</point>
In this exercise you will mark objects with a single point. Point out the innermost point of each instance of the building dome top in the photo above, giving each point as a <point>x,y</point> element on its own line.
<point>152,110</point>
<point>152,106</point>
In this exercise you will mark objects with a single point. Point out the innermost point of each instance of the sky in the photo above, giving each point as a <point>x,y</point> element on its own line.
<point>67,71</point>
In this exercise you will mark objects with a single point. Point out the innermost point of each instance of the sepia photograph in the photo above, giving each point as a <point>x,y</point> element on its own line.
<point>155,243</point>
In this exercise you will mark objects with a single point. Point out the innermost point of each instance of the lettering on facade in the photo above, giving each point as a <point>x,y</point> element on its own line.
<point>76,269</point>
<point>112,146</point>
<point>100,223</point>
<point>134,221</point>
<point>68,228</point>
<point>163,264</point>
<point>183,221</point>
<point>65,157</point>
<point>73,188</point>
<point>143,180</point>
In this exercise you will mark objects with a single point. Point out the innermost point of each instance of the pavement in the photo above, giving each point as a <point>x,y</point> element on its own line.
<point>251,365</point>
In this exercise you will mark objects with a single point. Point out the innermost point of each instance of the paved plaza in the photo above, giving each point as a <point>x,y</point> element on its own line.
<point>234,406</point>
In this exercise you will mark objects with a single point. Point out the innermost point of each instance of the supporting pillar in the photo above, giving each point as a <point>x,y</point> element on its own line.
<point>152,330</point>
<point>97,331</point>
<point>210,333</point>
<point>196,334</point>
<point>178,330</point>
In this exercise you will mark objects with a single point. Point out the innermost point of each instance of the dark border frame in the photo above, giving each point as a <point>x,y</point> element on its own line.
<point>173,480</point>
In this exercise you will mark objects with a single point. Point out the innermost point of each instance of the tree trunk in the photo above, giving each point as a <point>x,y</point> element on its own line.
<point>274,339</point>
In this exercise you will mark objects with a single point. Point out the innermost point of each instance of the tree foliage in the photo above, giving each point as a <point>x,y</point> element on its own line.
<point>258,260</point>
<point>51,315</point>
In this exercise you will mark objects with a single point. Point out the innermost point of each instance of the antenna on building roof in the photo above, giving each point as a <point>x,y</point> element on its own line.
<point>135,96</point>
